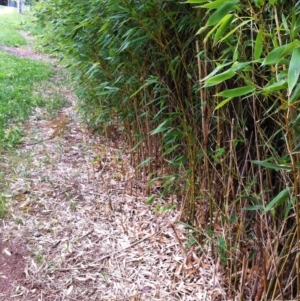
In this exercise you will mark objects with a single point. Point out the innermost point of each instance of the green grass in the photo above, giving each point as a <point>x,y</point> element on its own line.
<point>10,23</point>
<point>24,83</point>
<point>17,77</point>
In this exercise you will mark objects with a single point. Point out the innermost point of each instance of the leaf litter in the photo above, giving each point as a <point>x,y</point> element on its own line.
<point>77,207</point>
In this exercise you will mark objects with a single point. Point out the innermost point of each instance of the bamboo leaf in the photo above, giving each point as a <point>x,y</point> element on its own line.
<point>196,1</point>
<point>219,78</point>
<point>236,28</point>
<point>226,21</point>
<point>223,103</point>
<point>211,32</point>
<point>221,12</point>
<point>277,86</point>
<point>289,206</point>
<point>295,28</point>
<point>216,70</point>
<point>239,66</point>
<point>150,199</point>
<point>278,200</point>
<point>285,24</point>
<point>296,94</point>
<point>267,164</point>
<point>253,208</point>
<point>213,5</point>
<point>278,53</point>
<point>237,91</point>
<point>145,162</point>
<point>258,46</point>
<point>161,128</point>
<point>171,149</point>
<point>294,70</point>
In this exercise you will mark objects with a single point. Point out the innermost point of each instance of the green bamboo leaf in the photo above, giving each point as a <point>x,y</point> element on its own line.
<point>216,70</point>
<point>104,27</point>
<point>151,80</point>
<point>274,56</point>
<point>201,30</point>
<point>150,199</point>
<point>285,24</point>
<point>247,197</point>
<point>145,162</point>
<point>196,1</point>
<point>221,12</point>
<point>161,128</point>
<point>278,53</point>
<point>294,70</point>
<point>289,206</point>
<point>214,5</point>
<point>237,91</point>
<point>295,28</point>
<point>253,208</point>
<point>280,85</point>
<point>219,78</point>
<point>211,31</point>
<point>258,46</point>
<point>226,21</point>
<point>239,66</point>
<point>278,200</point>
<point>236,28</point>
<point>267,164</point>
<point>296,94</point>
<point>171,149</point>
<point>223,103</point>
<point>167,208</point>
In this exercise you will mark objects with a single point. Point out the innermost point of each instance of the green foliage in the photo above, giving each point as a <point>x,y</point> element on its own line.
<point>134,64</point>
<point>207,99</point>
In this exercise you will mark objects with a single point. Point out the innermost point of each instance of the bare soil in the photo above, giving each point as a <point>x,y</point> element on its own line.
<point>12,266</point>
<point>27,52</point>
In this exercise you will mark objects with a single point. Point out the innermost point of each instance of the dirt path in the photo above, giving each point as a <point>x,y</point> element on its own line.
<point>79,229</point>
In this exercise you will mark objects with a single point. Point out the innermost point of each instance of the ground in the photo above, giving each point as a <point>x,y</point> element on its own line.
<point>78,227</point>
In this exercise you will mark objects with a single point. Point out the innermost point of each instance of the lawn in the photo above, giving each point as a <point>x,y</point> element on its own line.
<point>10,23</point>
<point>18,77</point>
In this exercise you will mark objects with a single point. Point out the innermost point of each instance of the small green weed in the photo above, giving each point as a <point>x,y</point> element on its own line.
<point>39,258</point>
<point>2,208</point>
<point>19,221</point>
<point>73,206</point>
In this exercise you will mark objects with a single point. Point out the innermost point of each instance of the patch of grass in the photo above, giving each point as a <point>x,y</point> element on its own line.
<point>10,23</point>
<point>2,208</point>
<point>50,95</point>
<point>73,206</point>
<point>39,258</point>
<point>25,85</point>
<point>16,96</point>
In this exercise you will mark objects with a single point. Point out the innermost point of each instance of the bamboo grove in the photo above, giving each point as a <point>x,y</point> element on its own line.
<point>205,93</point>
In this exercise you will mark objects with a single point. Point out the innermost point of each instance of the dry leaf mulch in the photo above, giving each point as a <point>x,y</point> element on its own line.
<point>78,209</point>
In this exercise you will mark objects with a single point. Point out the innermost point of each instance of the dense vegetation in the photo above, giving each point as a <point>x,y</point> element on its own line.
<point>206,97</point>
